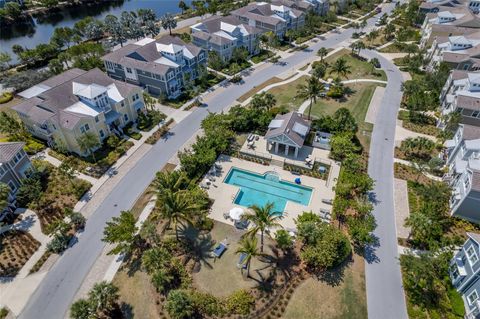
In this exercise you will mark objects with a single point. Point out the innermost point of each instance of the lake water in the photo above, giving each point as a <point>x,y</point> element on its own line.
<point>42,28</point>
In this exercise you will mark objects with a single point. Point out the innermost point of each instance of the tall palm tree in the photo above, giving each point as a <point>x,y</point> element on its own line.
<point>322,52</point>
<point>176,208</point>
<point>341,68</point>
<point>269,100</point>
<point>248,246</point>
<point>311,90</point>
<point>263,218</point>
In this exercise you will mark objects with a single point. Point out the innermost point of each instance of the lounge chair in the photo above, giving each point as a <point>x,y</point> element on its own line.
<point>327,201</point>
<point>242,224</point>
<point>324,211</point>
<point>226,215</point>
<point>241,261</point>
<point>218,250</point>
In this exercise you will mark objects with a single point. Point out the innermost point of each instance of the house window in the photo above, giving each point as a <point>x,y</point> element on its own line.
<point>122,104</point>
<point>466,183</point>
<point>125,117</point>
<point>2,171</point>
<point>454,271</point>
<point>475,113</point>
<point>129,70</point>
<point>12,186</point>
<point>96,119</point>
<point>472,297</point>
<point>87,127</point>
<point>472,255</point>
<point>82,129</point>
<point>102,134</point>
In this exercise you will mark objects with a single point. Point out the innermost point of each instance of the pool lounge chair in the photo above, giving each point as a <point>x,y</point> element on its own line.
<point>241,261</point>
<point>241,224</point>
<point>218,250</point>
<point>327,201</point>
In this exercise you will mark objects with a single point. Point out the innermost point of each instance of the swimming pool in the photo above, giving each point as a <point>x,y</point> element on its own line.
<point>259,189</point>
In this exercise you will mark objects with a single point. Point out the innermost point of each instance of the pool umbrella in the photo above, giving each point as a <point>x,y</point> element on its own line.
<point>236,213</point>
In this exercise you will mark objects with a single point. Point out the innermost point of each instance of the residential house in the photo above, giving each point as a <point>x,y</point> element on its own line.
<point>62,108</point>
<point>320,7</point>
<point>462,157</point>
<point>448,21</point>
<point>459,52</point>
<point>224,34</point>
<point>270,17</point>
<point>461,93</point>
<point>433,6</point>
<point>464,273</point>
<point>14,166</point>
<point>286,132</point>
<point>160,66</point>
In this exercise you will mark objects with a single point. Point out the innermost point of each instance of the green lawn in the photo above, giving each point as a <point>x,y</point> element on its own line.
<point>357,102</point>
<point>359,69</point>
<point>344,299</point>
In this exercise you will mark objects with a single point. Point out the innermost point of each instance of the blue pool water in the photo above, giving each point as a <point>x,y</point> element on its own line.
<point>257,189</point>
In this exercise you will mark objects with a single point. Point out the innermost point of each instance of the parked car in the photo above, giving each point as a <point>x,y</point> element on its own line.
<point>378,9</point>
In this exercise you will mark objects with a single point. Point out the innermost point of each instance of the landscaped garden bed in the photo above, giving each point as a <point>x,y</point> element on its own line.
<point>254,158</point>
<point>262,56</point>
<point>16,248</point>
<point>50,193</point>
<point>101,161</point>
<point>158,134</point>
<point>313,172</point>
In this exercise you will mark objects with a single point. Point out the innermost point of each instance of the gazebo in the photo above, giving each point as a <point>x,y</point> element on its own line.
<point>287,130</point>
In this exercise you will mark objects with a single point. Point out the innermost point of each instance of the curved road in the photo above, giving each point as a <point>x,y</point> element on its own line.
<point>55,293</point>
<point>385,296</point>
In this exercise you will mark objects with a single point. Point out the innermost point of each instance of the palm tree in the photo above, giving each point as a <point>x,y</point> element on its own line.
<point>183,6</point>
<point>175,207</point>
<point>269,100</point>
<point>248,247</point>
<point>87,143</point>
<point>389,30</point>
<point>264,218</point>
<point>357,46</point>
<point>341,68</point>
<point>168,22</point>
<point>322,52</point>
<point>103,297</point>
<point>372,36</point>
<point>170,182</point>
<point>311,91</point>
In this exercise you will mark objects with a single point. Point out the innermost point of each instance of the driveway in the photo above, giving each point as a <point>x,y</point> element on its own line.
<point>56,292</point>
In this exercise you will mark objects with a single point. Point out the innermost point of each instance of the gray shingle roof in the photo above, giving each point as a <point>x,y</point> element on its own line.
<point>144,57</point>
<point>471,132</point>
<point>476,182</point>
<point>8,150</point>
<point>474,236</point>
<point>288,122</point>
<point>53,102</point>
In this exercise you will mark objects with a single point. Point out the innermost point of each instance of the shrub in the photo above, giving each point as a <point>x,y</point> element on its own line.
<point>6,97</point>
<point>59,243</point>
<point>180,304</point>
<point>77,220</point>
<point>240,302</point>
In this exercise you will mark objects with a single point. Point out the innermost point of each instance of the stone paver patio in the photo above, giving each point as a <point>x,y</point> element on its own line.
<point>224,194</point>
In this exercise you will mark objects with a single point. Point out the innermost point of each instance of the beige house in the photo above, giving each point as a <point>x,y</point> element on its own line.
<point>62,108</point>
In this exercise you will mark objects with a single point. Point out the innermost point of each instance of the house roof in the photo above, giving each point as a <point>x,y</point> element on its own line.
<point>471,132</point>
<point>146,54</point>
<point>56,103</point>
<point>468,102</point>
<point>229,24</point>
<point>264,12</point>
<point>474,236</point>
<point>8,150</point>
<point>476,182</point>
<point>293,125</point>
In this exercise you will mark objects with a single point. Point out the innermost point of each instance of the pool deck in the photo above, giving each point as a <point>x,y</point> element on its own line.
<point>224,194</point>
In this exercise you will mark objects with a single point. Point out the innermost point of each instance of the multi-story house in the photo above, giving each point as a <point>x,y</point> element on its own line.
<point>460,52</point>
<point>433,6</point>
<point>62,108</point>
<point>14,166</point>
<point>320,7</point>
<point>224,34</point>
<point>269,17</point>
<point>448,21</point>
<point>462,157</point>
<point>465,274</point>
<point>160,66</point>
<point>461,93</point>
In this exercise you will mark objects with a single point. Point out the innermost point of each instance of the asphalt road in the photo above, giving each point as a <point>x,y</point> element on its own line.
<point>54,295</point>
<point>385,296</point>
